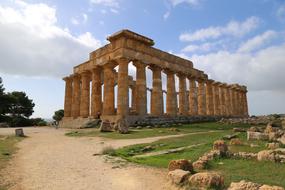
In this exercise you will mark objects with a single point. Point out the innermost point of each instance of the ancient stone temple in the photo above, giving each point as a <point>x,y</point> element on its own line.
<point>90,91</point>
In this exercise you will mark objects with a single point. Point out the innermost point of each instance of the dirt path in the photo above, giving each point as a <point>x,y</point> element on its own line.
<point>49,160</point>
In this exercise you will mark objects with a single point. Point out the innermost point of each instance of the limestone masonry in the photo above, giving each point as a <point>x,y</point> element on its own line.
<point>205,97</point>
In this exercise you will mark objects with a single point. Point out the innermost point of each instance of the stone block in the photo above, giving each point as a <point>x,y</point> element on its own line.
<point>206,180</point>
<point>178,176</point>
<point>180,164</point>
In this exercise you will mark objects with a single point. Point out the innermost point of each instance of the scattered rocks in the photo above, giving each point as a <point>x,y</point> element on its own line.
<point>206,180</point>
<point>244,185</point>
<point>106,126</point>
<point>236,141</point>
<point>174,129</point>
<point>221,146</point>
<point>200,164</point>
<point>253,129</point>
<point>239,130</point>
<point>276,155</point>
<point>229,137</point>
<point>247,185</point>
<point>147,148</point>
<point>178,176</point>
<point>268,187</point>
<point>19,132</point>
<point>272,145</point>
<point>182,164</point>
<point>257,136</point>
<point>270,129</point>
<point>244,155</point>
<point>282,139</point>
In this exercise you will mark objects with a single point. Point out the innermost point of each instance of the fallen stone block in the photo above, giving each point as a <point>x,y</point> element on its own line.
<point>206,180</point>
<point>178,176</point>
<point>180,164</point>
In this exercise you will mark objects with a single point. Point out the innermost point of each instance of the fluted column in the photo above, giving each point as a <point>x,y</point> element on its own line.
<point>222,99</point>
<point>75,109</point>
<point>231,100</point>
<point>216,98</point>
<point>235,100</point>
<point>109,82</point>
<point>240,102</point>
<point>85,94</point>
<point>193,102</point>
<point>171,96</point>
<point>96,95</point>
<point>156,96</point>
<point>182,95</point>
<point>68,96</point>
<point>134,95</point>
<point>141,101</point>
<point>201,98</point>
<point>227,100</point>
<point>209,97</point>
<point>123,87</point>
<point>245,102</point>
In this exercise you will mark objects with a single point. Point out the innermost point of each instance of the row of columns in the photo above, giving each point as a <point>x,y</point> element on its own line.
<point>208,98</point>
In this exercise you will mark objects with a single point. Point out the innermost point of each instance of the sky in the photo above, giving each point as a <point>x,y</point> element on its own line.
<point>232,41</point>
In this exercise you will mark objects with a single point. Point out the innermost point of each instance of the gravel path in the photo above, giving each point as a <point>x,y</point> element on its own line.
<point>49,160</point>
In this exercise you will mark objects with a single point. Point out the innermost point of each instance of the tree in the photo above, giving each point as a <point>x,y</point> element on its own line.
<point>21,105</point>
<point>5,102</point>
<point>58,115</point>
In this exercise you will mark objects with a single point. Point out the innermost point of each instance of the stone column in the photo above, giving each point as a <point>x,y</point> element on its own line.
<point>182,95</point>
<point>222,99</point>
<point>209,97</point>
<point>227,100</point>
<point>141,101</point>
<point>240,102</point>
<point>245,102</point>
<point>75,109</point>
<point>156,96</point>
<point>235,100</point>
<point>96,94</point>
<point>68,96</point>
<point>231,108</point>
<point>193,102</point>
<point>123,87</point>
<point>109,83</point>
<point>85,94</point>
<point>134,95</point>
<point>216,98</point>
<point>171,96</point>
<point>201,98</point>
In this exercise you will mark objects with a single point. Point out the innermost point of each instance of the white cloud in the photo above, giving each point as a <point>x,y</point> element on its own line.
<point>233,28</point>
<point>166,15</point>
<point>190,2</point>
<point>258,41</point>
<point>74,21</point>
<point>192,48</point>
<point>85,17</point>
<point>39,46</point>
<point>114,11</point>
<point>107,3</point>
<point>280,13</point>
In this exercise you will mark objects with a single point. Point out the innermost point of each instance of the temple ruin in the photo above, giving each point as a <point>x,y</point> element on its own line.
<point>90,90</point>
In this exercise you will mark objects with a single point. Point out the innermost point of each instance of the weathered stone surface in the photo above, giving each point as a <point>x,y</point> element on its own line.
<point>206,180</point>
<point>200,164</point>
<point>244,155</point>
<point>270,129</point>
<point>244,185</point>
<point>180,164</point>
<point>239,130</point>
<point>257,136</point>
<point>106,126</point>
<point>19,132</point>
<point>277,155</point>
<point>253,129</point>
<point>236,141</point>
<point>272,145</point>
<point>178,176</point>
<point>268,187</point>
<point>282,139</point>
<point>123,126</point>
<point>221,146</point>
<point>229,137</point>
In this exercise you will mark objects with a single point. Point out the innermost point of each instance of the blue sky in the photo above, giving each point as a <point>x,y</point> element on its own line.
<point>232,41</point>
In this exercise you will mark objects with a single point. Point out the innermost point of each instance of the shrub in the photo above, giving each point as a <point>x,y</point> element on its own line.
<point>108,150</point>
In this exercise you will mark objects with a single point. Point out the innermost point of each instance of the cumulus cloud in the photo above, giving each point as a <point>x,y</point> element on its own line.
<point>39,47</point>
<point>262,70</point>
<point>192,48</point>
<point>107,3</point>
<point>258,41</point>
<point>190,2</point>
<point>233,28</point>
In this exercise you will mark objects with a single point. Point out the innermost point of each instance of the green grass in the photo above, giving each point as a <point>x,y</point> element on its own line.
<point>161,131</point>
<point>235,170</point>
<point>194,153</point>
<point>7,149</point>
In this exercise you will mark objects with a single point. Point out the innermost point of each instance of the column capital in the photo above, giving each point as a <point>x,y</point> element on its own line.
<point>181,75</point>
<point>168,72</point>
<point>111,64</point>
<point>138,63</point>
<point>154,67</point>
<point>122,60</point>
<point>67,78</point>
<point>210,81</point>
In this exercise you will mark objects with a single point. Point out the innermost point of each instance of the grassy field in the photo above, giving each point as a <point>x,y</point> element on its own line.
<point>231,169</point>
<point>7,149</point>
<point>160,131</point>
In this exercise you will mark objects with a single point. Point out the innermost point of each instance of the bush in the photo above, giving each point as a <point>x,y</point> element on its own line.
<point>19,121</point>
